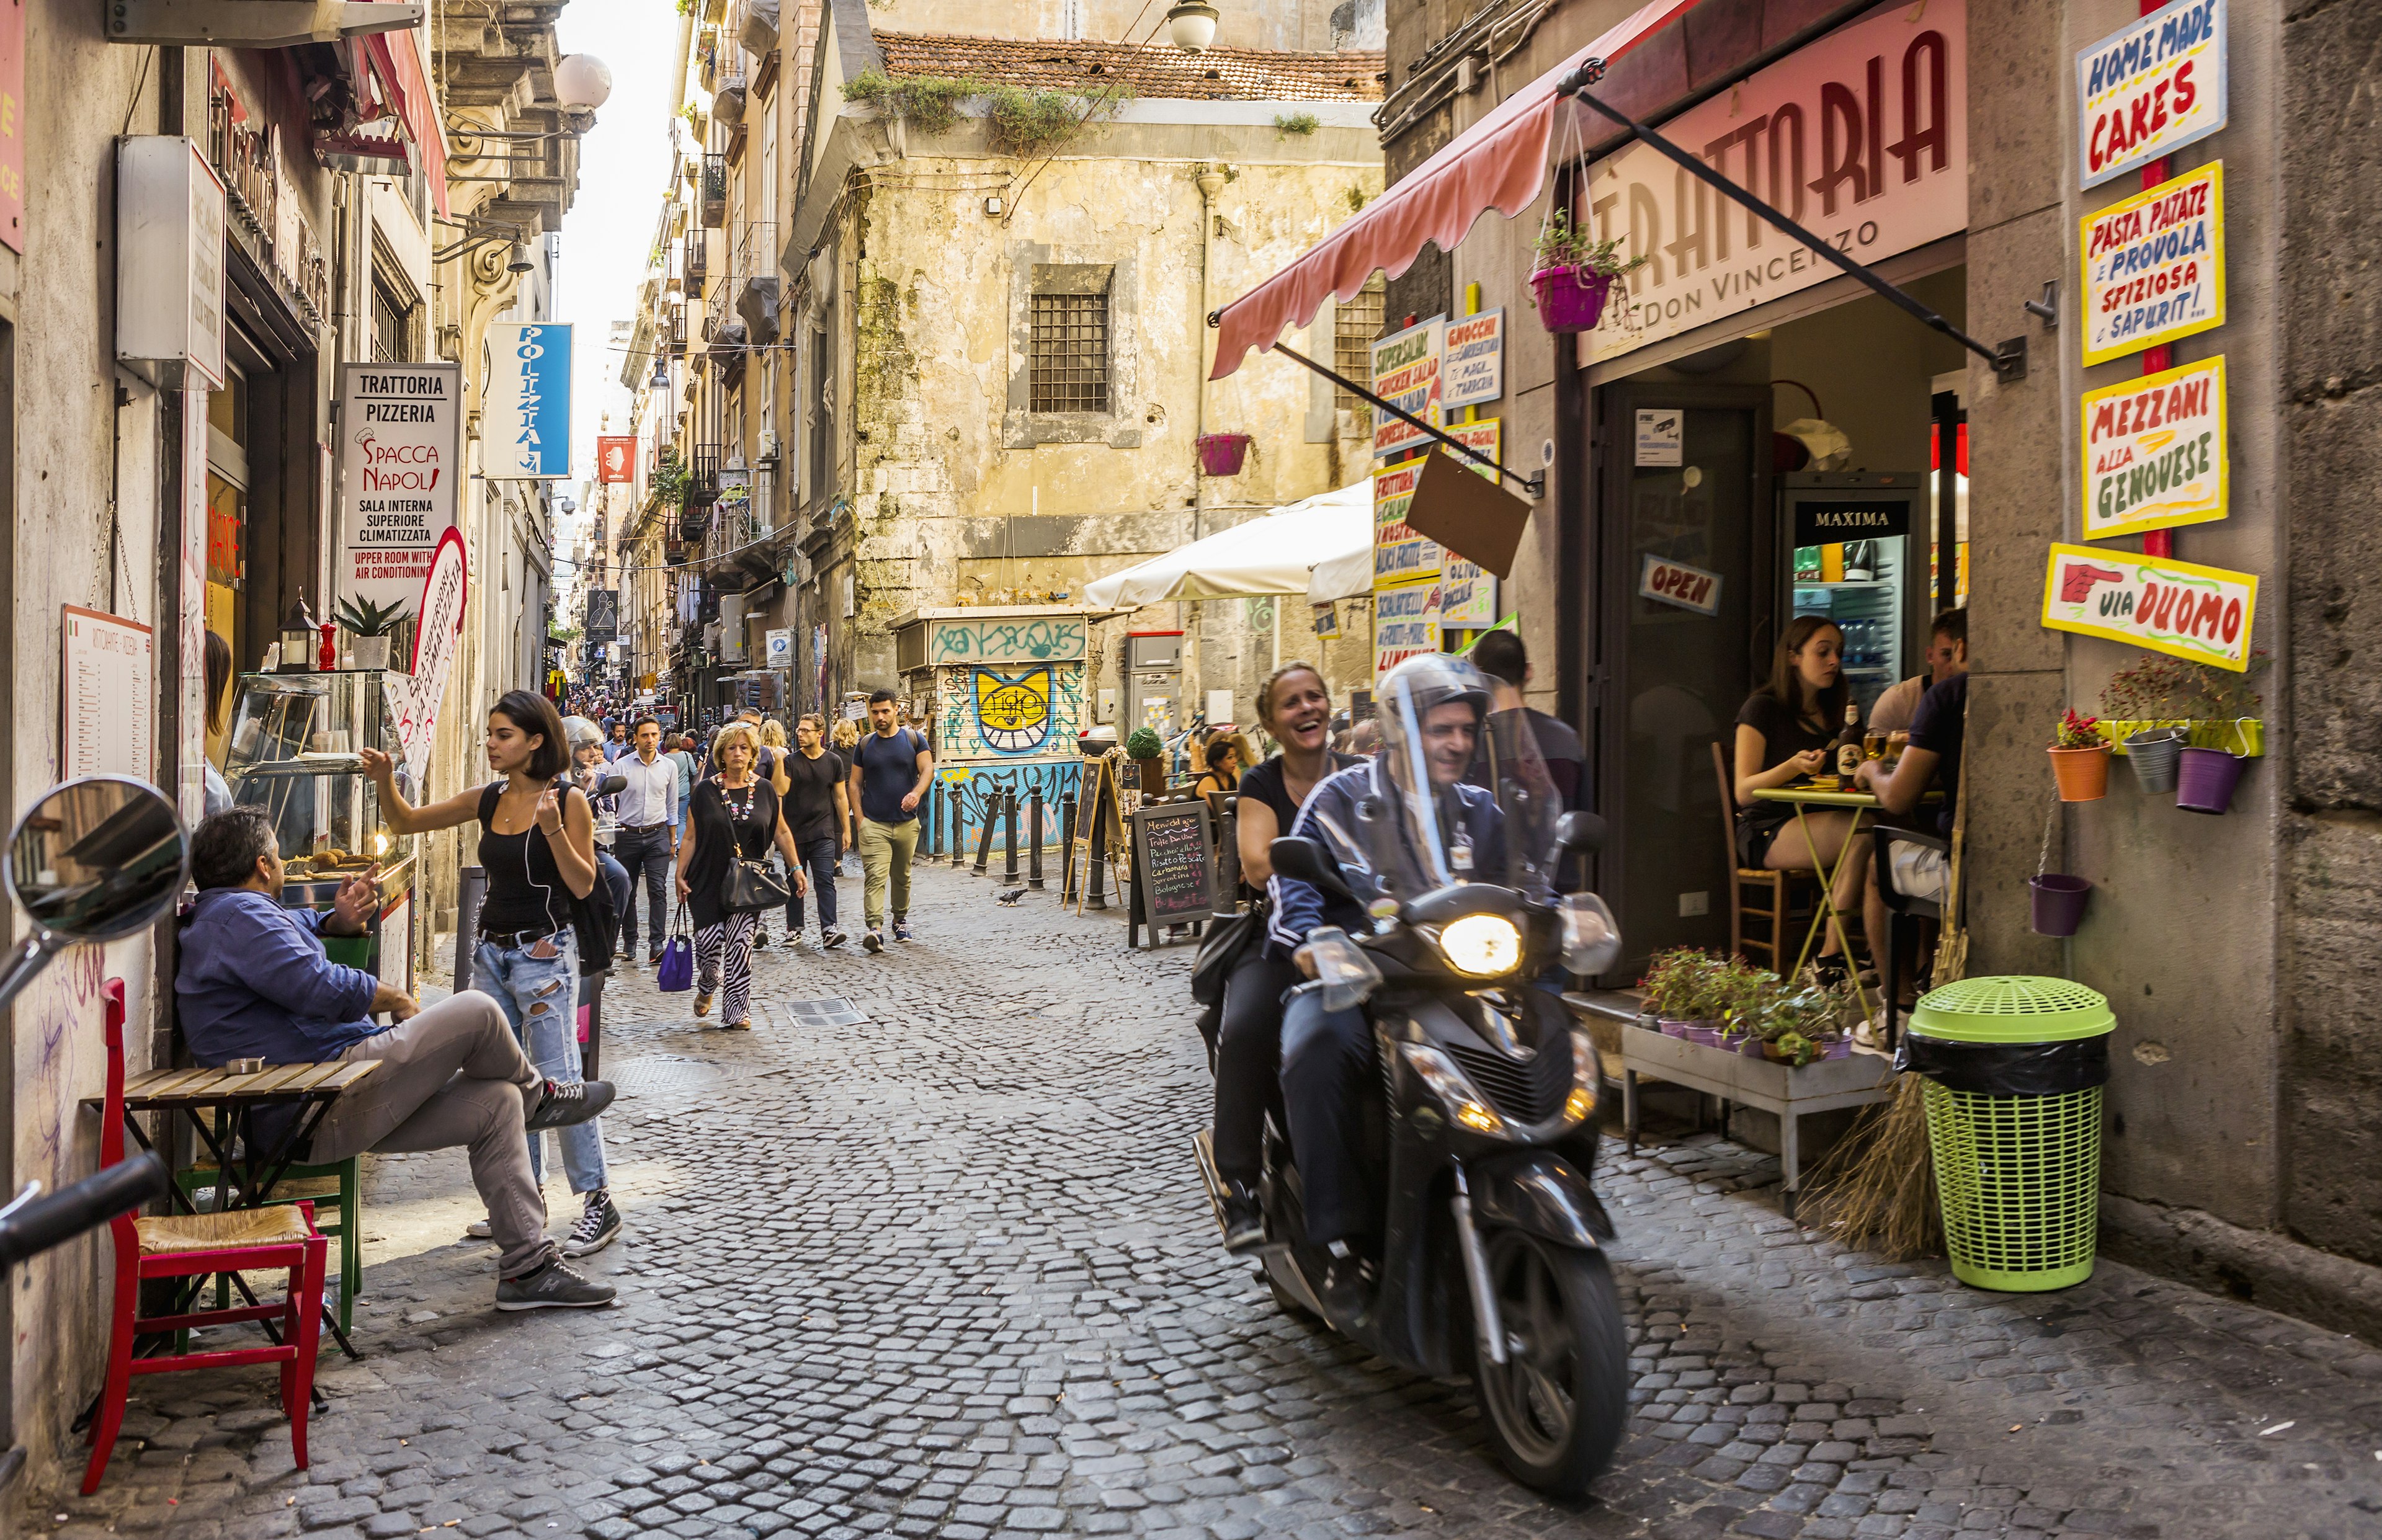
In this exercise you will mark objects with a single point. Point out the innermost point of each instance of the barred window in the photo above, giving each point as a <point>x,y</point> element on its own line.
<point>1067,363</point>
<point>393,337</point>
<point>1354,323</point>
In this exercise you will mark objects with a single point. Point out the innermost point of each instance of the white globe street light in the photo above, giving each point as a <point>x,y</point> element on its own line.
<point>581,82</point>
<point>1192,25</point>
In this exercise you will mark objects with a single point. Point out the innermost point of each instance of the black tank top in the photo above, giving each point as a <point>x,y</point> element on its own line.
<point>526,890</point>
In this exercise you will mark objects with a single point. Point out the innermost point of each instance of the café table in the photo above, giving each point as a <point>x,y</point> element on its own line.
<point>221,1107</point>
<point>1802,795</point>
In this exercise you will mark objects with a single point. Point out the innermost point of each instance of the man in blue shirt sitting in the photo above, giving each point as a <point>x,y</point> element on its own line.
<point>254,983</point>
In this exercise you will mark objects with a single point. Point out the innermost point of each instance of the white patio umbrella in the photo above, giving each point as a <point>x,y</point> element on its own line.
<point>1273,555</point>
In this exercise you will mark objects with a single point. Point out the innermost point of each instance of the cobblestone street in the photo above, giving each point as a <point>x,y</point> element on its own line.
<point>949,1272</point>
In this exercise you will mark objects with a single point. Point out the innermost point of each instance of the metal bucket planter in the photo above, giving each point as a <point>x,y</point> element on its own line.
<point>2205,779</point>
<point>1570,298</point>
<point>370,652</point>
<point>2155,753</point>
<point>2056,902</point>
<point>2083,773</point>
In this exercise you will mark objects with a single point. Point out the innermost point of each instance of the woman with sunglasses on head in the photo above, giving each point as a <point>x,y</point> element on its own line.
<point>537,846</point>
<point>737,816</point>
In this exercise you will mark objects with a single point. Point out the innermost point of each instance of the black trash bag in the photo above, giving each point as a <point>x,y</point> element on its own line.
<point>2008,1069</point>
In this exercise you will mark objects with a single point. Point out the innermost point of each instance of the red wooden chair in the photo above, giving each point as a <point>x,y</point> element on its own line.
<point>191,1246</point>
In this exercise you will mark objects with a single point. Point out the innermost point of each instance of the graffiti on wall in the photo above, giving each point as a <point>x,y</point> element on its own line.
<point>1013,713</point>
<point>971,793</point>
<point>1048,639</point>
<point>991,713</point>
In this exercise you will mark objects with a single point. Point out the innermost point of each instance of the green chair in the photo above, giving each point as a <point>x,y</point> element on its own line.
<point>340,1179</point>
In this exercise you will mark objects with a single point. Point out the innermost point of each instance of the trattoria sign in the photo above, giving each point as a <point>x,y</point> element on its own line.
<point>2202,614</point>
<point>1860,137</point>
<point>2150,88</point>
<point>2154,265</point>
<point>2155,451</point>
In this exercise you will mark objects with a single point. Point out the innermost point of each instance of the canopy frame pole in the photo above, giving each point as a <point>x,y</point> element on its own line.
<point>2007,361</point>
<point>1533,486</point>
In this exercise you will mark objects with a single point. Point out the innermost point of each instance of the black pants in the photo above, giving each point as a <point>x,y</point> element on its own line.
<point>645,852</point>
<point>1249,1061</point>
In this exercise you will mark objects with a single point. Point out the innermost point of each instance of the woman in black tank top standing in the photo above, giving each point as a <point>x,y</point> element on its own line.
<point>537,845</point>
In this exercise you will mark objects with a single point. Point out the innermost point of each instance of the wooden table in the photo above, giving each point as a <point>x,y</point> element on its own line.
<point>1856,802</point>
<point>313,1088</point>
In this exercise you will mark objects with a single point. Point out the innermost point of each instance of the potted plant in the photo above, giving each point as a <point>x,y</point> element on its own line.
<point>1574,273</point>
<point>2080,758</point>
<point>370,625</point>
<point>1671,983</point>
<point>2157,707</point>
<point>1144,747</point>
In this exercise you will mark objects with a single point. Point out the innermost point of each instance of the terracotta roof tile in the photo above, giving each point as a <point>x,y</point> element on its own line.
<point>1220,73</point>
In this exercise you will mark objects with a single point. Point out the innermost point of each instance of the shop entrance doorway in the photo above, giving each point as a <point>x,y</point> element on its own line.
<point>1689,609</point>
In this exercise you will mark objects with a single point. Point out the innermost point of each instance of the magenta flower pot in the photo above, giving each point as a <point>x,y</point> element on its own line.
<point>1570,298</point>
<point>1221,454</point>
<point>2205,780</point>
<point>2058,902</point>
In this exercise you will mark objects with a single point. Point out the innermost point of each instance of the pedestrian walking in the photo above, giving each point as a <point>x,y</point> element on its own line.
<point>818,814</point>
<point>646,845</point>
<point>737,818</point>
<point>688,757</point>
<point>890,771</point>
<point>537,845</point>
<point>587,772</point>
<point>773,770</point>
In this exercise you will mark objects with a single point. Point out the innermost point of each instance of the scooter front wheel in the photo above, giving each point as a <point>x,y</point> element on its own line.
<point>1559,1403</point>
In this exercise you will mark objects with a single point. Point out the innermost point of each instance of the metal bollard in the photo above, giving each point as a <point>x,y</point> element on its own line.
<point>984,839</point>
<point>1033,838</point>
<point>930,820</point>
<point>1009,836</point>
<point>470,889</point>
<point>1069,878</point>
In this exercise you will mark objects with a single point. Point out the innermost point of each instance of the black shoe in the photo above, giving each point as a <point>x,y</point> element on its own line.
<point>1348,1278</point>
<point>760,941</point>
<point>653,960</point>
<point>1243,1217</point>
<point>1829,968</point>
<point>598,1226</point>
<point>565,1105</point>
<point>553,1287</point>
<point>831,940</point>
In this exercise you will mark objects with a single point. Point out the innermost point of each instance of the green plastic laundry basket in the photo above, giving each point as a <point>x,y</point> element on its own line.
<point>2014,1069</point>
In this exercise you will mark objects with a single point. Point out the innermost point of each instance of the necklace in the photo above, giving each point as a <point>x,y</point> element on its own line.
<point>740,810</point>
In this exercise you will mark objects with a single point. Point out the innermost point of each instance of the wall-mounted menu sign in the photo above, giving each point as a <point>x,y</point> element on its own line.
<point>1474,368</point>
<point>2155,451</point>
<point>2202,614</point>
<point>1832,522</point>
<point>2150,88</point>
<point>2154,265</point>
<point>1406,374</point>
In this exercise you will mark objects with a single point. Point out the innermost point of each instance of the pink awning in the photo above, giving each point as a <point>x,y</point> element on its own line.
<point>1500,163</point>
<point>397,59</point>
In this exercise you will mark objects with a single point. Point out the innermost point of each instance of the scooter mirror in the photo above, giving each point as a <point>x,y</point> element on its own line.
<point>1578,833</point>
<point>97,858</point>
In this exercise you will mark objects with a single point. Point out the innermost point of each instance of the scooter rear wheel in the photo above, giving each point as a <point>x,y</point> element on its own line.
<point>1559,1403</point>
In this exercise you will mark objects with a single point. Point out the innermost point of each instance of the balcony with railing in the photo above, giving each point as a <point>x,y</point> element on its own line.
<point>711,201</point>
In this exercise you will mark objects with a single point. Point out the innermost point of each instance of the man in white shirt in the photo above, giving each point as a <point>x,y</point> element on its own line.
<point>647,842</point>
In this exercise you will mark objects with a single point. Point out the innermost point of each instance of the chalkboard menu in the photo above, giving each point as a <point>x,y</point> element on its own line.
<point>1172,863</point>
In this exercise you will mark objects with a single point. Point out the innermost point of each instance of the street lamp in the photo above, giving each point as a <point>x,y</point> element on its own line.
<point>581,82</point>
<point>1192,25</point>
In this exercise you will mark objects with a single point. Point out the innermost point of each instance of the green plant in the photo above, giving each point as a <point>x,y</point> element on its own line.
<point>1300,123</point>
<point>1355,197</point>
<point>1143,743</point>
<point>363,617</point>
<point>1563,244</point>
<point>2076,732</point>
<point>927,102</point>
<point>669,482</point>
<point>1022,123</point>
<point>2161,689</point>
<point>1674,983</point>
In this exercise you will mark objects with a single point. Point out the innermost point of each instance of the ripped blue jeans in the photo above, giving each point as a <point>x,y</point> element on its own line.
<point>540,998</point>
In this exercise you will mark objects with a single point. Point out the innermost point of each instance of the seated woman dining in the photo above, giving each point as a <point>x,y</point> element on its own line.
<point>1784,733</point>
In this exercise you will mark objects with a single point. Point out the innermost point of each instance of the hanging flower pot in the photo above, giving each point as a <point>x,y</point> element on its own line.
<point>2056,902</point>
<point>2083,773</point>
<point>2154,754</point>
<point>1570,298</point>
<point>1221,454</point>
<point>2205,779</point>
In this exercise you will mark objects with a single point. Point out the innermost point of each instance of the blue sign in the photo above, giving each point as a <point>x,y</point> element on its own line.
<point>525,405</point>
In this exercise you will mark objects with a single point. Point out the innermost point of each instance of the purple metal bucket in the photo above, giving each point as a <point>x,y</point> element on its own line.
<point>2205,783</point>
<point>1570,298</point>
<point>2058,902</point>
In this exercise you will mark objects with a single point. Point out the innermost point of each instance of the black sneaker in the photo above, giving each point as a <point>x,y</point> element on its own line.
<point>761,941</point>
<point>599,1226</point>
<point>553,1287</point>
<point>873,942</point>
<point>574,1103</point>
<point>1243,1217</point>
<point>900,927</point>
<point>653,960</point>
<point>831,940</point>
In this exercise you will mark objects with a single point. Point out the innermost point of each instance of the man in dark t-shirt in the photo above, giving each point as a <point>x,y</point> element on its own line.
<point>818,814</point>
<point>1938,730</point>
<point>889,772</point>
<point>1500,654</point>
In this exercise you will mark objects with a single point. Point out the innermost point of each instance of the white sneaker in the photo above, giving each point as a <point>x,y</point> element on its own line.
<point>479,1230</point>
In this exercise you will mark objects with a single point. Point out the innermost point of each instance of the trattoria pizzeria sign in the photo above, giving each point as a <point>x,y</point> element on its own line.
<point>401,427</point>
<point>2202,614</point>
<point>2155,451</point>
<point>1861,136</point>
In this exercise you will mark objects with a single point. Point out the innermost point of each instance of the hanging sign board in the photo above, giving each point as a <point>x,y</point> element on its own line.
<point>1473,369</point>
<point>400,435</point>
<point>1327,621</point>
<point>1401,554</point>
<point>108,681</point>
<point>2201,614</point>
<point>169,260</point>
<point>1860,137</point>
<point>1674,582</point>
<point>2155,451</point>
<point>2149,89</point>
<point>415,698</point>
<point>2154,265</point>
<point>1406,624</point>
<point>1406,374</point>
<point>616,459</point>
<point>525,405</point>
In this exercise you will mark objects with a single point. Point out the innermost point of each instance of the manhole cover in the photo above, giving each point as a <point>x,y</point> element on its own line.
<point>658,1073</point>
<point>830,1013</point>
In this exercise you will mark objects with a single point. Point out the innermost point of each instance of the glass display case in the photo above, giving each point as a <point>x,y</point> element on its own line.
<point>293,752</point>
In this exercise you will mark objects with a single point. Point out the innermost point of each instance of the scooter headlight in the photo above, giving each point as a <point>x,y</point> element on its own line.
<point>1585,1078</point>
<point>1483,946</point>
<point>1447,1082</point>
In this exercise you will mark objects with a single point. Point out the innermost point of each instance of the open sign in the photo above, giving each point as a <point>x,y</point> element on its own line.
<point>1674,582</point>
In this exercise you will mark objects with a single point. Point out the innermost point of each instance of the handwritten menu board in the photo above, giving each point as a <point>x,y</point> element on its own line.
<point>1172,863</point>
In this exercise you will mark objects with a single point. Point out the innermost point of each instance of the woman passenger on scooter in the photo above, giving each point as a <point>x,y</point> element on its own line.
<point>1295,708</point>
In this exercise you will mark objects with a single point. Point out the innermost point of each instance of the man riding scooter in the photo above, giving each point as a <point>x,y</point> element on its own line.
<point>1430,728</point>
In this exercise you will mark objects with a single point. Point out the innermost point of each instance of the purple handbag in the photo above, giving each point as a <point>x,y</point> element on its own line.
<point>676,973</point>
